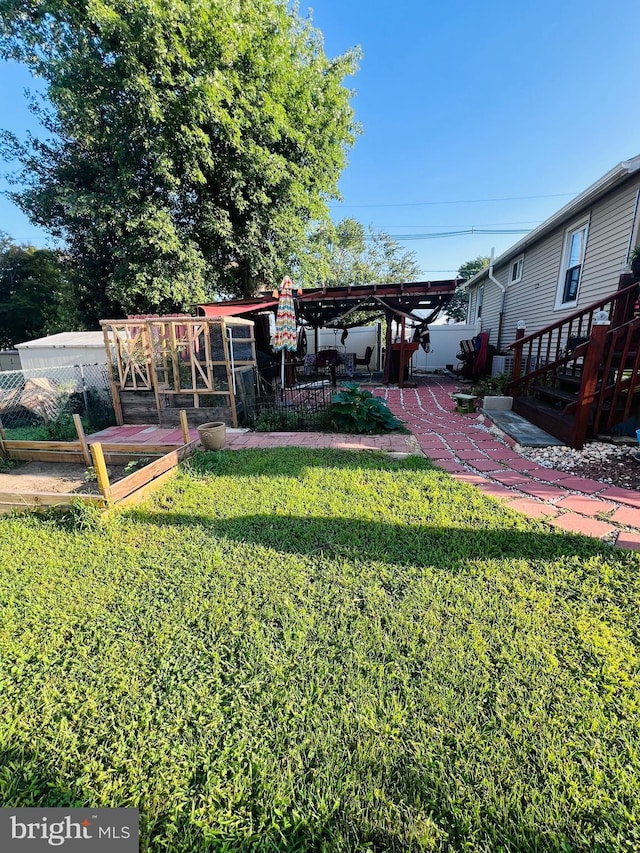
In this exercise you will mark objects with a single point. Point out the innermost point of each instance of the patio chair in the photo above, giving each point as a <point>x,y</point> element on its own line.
<point>366,361</point>
<point>325,358</point>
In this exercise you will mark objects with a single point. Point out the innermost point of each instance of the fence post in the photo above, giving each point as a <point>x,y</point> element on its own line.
<point>101,471</point>
<point>80,371</point>
<point>186,437</point>
<point>82,439</point>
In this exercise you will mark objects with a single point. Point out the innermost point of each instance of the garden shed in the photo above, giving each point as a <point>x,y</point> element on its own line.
<point>161,365</point>
<point>65,348</point>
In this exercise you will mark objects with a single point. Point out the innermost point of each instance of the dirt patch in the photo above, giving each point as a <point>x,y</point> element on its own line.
<point>55,477</point>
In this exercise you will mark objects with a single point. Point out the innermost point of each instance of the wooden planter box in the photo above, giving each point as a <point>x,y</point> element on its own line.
<point>130,489</point>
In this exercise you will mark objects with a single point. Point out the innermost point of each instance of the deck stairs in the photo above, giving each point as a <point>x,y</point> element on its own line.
<point>579,378</point>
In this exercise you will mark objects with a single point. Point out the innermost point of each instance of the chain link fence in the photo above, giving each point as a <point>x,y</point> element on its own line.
<point>46,398</point>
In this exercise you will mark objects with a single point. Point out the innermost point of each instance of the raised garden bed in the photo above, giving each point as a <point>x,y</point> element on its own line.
<point>55,473</point>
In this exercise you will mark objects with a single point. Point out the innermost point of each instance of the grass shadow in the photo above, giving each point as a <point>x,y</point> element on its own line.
<point>439,546</point>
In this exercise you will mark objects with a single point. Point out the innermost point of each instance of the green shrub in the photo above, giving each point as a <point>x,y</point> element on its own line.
<point>62,427</point>
<point>37,432</point>
<point>273,420</point>
<point>354,409</point>
<point>493,386</point>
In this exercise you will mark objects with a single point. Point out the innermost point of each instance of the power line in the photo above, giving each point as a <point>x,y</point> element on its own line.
<point>459,201</point>
<point>484,224</point>
<point>410,237</point>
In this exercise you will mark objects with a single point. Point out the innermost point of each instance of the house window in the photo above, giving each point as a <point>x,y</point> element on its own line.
<point>516,270</point>
<point>480,297</point>
<point>572,260</point>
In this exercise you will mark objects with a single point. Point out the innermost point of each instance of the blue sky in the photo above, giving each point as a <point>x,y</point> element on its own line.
<point>458,103</point>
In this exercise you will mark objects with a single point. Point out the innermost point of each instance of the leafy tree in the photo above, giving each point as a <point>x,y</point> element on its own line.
<point>470,268</point>
<point>347,253</point>
<point>190,143</point>
<point>35,294</point>
<point>457,307</point>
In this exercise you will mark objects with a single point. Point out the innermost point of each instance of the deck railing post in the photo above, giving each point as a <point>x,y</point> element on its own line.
<point>589,383</point>
<point>517,356</point>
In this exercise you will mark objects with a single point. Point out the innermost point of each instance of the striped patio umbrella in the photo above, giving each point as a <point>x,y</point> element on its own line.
<point>286,331</point>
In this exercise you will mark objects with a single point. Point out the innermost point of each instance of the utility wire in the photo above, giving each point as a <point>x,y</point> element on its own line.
<point>409,237</point>
<point>484,224</point>
<point>459,201</point>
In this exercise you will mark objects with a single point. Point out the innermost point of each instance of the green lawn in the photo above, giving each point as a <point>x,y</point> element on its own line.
<point>293,650</point>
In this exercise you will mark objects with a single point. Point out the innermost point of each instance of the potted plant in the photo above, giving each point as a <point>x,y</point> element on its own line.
<point>634,260</point>
<point>492,389</point>
<point>213,435</point>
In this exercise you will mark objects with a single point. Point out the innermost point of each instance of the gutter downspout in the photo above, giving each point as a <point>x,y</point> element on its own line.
<point>504,295</point>
<point>634,227</point>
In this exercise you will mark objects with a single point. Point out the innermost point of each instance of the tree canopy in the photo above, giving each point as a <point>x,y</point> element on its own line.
<point>470,268</point>
<point>349,253</point>
<point>189,146</point>
<point>35,293</point>
<point>457,307</point>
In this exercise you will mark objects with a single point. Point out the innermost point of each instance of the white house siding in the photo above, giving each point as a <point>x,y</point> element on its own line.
<point>492,304</point>
<point>607,243</point>
<point>532,299</point>
<point>471,310</point>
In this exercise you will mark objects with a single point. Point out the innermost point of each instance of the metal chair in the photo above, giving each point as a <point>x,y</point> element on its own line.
<point>366,361</point>
<point>325,358</point>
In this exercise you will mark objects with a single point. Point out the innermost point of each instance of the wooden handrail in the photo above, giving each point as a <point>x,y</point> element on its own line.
<point>605,360</point>
<point>594,306</point>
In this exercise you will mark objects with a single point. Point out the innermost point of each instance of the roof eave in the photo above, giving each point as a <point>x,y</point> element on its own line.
<point>607,182</point>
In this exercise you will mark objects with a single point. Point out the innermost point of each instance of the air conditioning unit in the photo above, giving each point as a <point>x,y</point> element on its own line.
<point>502,364</point>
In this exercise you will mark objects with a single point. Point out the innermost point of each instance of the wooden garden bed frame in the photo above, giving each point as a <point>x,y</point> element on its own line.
<point>131,489</point>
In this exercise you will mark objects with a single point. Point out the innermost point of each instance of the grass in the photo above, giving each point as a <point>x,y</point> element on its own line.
<point>38,432</point>
<point>295,650</point>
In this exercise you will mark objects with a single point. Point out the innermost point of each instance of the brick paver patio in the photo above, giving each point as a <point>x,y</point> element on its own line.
<point>467,447</point>
<point>490,463</point>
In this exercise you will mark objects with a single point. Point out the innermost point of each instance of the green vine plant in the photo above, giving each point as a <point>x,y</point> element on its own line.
<point>135,465</point>
<point>354,409</point>
<point>493,386</point>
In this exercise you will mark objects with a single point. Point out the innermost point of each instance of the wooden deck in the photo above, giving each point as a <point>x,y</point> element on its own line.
<point>141,434</point>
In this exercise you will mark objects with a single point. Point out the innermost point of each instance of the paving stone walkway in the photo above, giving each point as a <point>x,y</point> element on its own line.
<point>466,447</point>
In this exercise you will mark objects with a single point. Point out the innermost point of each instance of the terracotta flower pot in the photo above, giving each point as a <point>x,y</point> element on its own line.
<point>213,435</point>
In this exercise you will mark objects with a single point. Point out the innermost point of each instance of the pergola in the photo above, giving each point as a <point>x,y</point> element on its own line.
<point>320,307</point>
